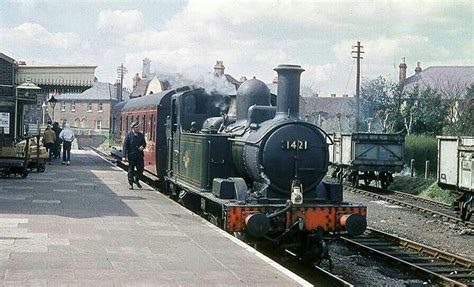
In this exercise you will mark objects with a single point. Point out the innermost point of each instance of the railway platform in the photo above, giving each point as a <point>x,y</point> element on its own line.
<point>80,225</point>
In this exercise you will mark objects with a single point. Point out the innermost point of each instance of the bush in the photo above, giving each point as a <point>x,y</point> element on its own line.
<point>421,148</point>
<point>437,193</point>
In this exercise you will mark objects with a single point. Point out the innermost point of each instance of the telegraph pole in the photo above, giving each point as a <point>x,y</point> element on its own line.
<point>121,70</point>
<point>358,56</point>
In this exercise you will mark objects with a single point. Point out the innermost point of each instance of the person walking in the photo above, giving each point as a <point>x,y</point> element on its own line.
<point>67,136</point>
<point>133,152</point>
<point>49,137</point>
<point>57,144</point>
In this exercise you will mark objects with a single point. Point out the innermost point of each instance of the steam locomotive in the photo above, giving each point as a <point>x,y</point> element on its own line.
<point>255,169</point>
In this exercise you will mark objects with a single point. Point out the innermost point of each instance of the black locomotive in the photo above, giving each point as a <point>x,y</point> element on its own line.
<point>254,168</point>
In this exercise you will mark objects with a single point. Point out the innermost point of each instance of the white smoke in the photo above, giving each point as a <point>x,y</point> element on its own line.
<point>208,81</point>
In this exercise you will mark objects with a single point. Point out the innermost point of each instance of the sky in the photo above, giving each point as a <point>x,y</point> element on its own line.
<point>251,37</point>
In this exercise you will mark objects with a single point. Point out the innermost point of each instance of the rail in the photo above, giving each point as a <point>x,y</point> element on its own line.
<point>444,212</point>
<point>431,263</point>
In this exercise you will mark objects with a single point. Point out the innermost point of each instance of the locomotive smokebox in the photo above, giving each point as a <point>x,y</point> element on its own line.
<point>288,102</point>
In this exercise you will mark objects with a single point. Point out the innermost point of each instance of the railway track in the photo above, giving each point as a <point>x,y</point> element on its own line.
<point>424,205</point>
<point>431,263</point>
<point>312,273</point>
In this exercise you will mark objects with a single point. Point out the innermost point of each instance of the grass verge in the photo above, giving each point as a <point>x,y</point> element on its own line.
<point>426,188</point>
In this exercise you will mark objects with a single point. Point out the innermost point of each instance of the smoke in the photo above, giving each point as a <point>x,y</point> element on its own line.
<point>208,81</point>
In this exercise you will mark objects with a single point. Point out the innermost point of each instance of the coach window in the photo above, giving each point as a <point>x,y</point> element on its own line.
<point>144,122</point>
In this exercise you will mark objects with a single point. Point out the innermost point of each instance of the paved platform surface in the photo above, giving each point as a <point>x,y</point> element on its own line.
<point>80,225</point>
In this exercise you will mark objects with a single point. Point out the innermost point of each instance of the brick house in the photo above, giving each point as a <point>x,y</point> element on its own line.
<point>89,113</point>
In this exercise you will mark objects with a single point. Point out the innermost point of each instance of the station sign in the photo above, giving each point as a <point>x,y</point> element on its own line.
<point>5,122</point>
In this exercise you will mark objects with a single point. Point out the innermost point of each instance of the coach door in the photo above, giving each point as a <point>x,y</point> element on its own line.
<point>171,134</point>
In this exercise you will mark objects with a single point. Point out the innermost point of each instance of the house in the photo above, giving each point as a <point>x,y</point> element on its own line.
<point>89,112</point>
<point>148,83</point>
<point>450,81</point>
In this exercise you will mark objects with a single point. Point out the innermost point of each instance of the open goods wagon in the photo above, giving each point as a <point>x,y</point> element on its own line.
<point>367,156</point>
<point>456,171</point>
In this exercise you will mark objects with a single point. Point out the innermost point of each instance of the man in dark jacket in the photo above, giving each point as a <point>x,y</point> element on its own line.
<point>57,144</point>
<point>133,151</point>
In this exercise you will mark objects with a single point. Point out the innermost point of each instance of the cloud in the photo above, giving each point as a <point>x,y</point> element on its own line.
<point>254,36</point>
<point>34,35</point>
<point>118,21</point>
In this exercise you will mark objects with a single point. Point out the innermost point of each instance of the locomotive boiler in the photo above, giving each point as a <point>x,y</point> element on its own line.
<point>253,168</point>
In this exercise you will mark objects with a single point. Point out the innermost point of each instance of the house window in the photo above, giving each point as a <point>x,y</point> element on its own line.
<point>73,106</point>
<point>63,106</point>
<point>89,107</point>
<point>98,125</point>
<point>100,108</point>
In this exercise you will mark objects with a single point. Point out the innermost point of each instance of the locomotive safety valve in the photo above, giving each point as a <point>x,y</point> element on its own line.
<point>296,192</point>
<point>257,224</point>
<point>355,224</point>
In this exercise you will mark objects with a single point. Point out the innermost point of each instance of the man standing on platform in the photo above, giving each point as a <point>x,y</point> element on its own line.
<point>67,136</point>
<point>133,151</point>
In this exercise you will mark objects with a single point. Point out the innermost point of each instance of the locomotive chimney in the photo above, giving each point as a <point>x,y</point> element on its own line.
<point>288,99</point>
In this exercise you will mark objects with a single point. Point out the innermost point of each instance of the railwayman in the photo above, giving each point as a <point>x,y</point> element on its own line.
<point>133,151</point>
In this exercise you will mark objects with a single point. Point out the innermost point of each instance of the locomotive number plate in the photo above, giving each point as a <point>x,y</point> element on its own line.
<point>295,145</point>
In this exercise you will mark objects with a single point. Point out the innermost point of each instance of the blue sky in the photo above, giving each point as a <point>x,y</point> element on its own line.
<point>251,37</point>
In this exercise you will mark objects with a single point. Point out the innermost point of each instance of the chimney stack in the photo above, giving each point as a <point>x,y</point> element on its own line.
<point>136,79</point>
<point>146,68</point>
<point>219,68</point>
<point>288,99</point>
<point>345,95</point>
<point>418,68</point>
<point>243,79</point>
<point>402,76</point>
<point>333,95</point>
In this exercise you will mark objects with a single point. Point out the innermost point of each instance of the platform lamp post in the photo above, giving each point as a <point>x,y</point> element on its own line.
<point>52,102</point>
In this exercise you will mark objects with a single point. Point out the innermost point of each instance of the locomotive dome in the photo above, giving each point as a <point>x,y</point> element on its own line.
<point>251,92</point>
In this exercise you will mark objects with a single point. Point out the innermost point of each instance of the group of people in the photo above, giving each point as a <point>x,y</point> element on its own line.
<point>53,137</point>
